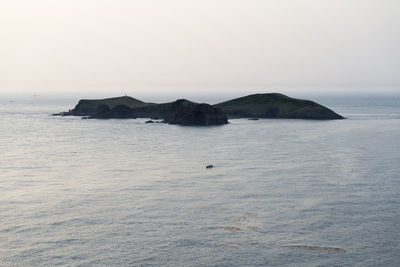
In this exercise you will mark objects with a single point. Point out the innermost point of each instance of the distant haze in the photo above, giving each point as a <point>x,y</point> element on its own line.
<point>122,46</point>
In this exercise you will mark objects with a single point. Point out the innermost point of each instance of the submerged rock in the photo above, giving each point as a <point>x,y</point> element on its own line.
<point>324,249</point>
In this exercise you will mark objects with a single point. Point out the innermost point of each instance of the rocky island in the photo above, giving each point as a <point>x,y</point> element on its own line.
<point>182,111</point>
<point>185,112</point>
<point>276,106</point>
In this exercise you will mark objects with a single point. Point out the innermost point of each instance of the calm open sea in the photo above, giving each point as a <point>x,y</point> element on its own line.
<point>124,193</point>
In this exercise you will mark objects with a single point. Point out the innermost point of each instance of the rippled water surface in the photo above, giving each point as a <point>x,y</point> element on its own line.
<point>124,193</point>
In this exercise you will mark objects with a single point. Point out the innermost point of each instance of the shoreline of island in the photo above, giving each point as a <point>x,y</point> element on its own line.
<point>188,113</point>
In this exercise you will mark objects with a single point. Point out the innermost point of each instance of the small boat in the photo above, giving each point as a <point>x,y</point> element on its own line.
<point>253,119</point>
<point>209,166</point>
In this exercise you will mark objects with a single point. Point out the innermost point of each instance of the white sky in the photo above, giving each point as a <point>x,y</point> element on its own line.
<point>199,45</point>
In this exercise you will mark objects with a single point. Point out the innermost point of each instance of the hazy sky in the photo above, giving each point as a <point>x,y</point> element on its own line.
<point>203,45</point>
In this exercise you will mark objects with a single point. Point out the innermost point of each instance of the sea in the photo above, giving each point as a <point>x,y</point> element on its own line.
<point>282,192</point>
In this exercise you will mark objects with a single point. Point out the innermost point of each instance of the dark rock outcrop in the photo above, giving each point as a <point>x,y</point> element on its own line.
<point>117,112</point>
<point>102,112</point>
<point>184,112</point>
<point>122,112</point>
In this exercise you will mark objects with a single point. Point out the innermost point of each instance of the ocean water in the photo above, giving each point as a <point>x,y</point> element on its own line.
<point>124,193</point>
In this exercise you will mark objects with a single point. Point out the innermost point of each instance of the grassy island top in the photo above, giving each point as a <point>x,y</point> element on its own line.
<point>275,105</point>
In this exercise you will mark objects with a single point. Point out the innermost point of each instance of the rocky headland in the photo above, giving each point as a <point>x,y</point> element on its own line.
<point>185,112</point>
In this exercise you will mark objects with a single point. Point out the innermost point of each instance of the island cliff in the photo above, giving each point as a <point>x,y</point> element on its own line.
<point>184,112</point>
